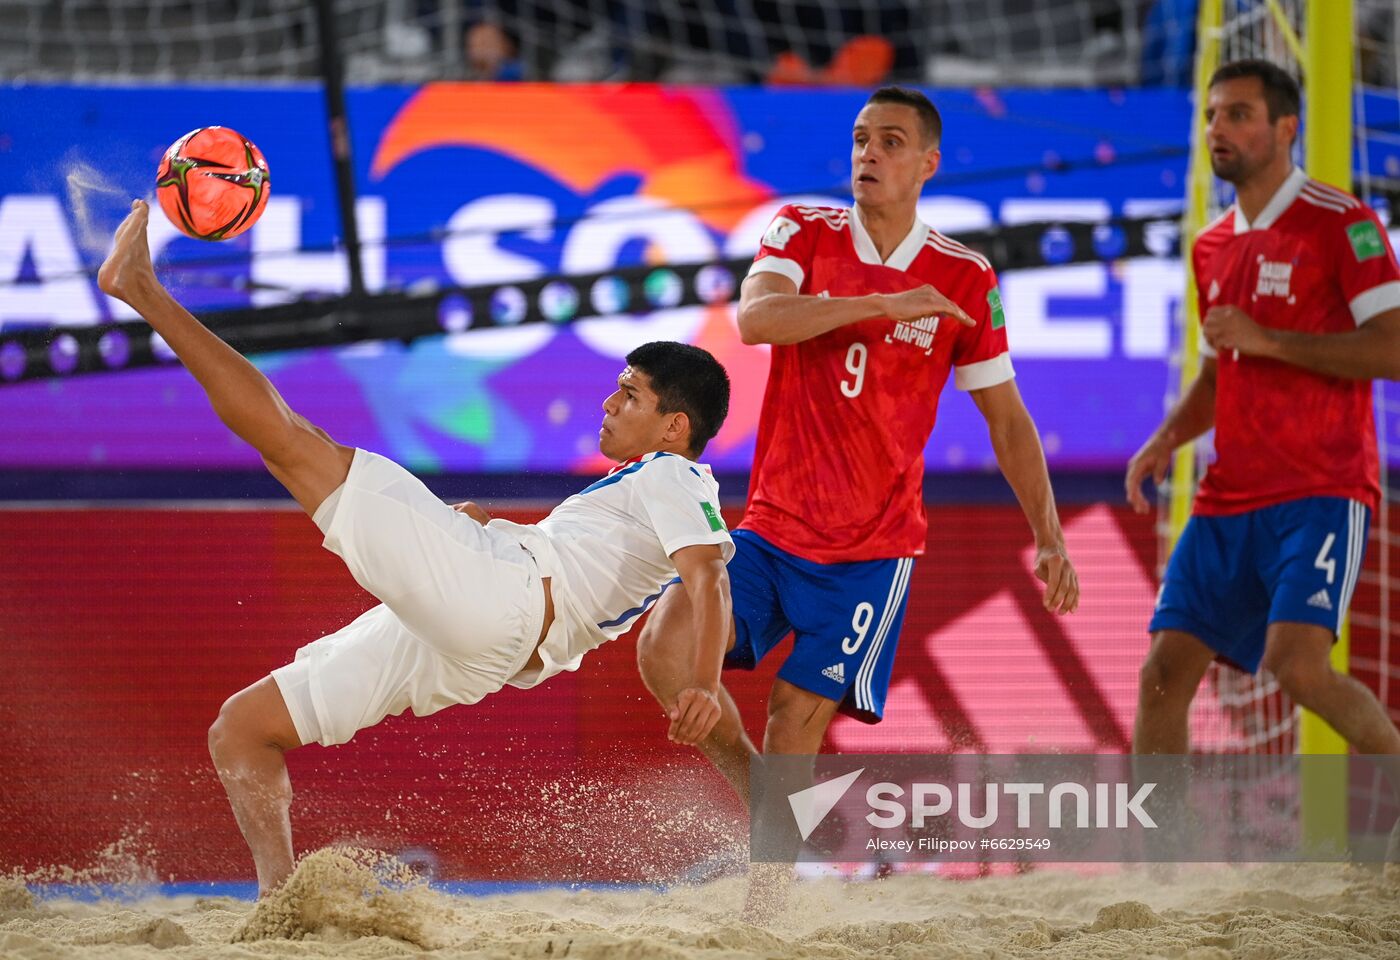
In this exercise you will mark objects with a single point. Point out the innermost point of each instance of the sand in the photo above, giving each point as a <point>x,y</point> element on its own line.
<point>344,903</point>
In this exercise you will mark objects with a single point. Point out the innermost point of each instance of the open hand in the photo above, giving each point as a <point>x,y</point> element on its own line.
<point>128,267</point>
<point>925,301</point>
<point>693,717</point>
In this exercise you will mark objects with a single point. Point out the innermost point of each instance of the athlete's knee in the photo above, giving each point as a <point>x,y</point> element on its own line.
<point>248,720</point>
<point>300,441</point>
<point>664,645</point>
<point>652,662</point>
<point>797,720</point>
<point>228,729</point>
<point>1302,679</point>
<point>794,733</point>
<point>1164,678</point>
<point>784,737</point>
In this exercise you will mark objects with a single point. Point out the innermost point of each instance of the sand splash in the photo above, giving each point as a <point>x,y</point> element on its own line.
<point>90,195</point>
<point>351,903</point>
<point>347,892</point>
<point>15,897</point>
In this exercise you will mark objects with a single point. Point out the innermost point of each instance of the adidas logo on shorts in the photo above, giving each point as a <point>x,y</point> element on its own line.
<point>1320,599</point>
<point>837,672</point>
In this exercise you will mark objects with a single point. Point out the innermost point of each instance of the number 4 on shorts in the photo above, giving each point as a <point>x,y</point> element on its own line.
<point>1324,561</point>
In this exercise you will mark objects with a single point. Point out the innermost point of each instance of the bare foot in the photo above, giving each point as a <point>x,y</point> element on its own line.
<point>128,266</point>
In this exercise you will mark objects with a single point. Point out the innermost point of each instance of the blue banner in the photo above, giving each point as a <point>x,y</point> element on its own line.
<point>470,184</point>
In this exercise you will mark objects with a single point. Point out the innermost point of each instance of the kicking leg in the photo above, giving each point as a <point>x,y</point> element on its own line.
<point>248,743</point>
<point>254,729</point>
<point>300,455</point>
<point>666,660</point>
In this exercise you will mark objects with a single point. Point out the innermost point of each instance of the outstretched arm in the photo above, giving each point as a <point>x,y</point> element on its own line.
<point>299,454</point>
<point>772,311</point>
<point>1370,352</point>
<point>706,582</point>
<point>1022,462</point>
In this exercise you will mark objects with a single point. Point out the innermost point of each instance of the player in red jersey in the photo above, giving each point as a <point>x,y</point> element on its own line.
<point>869,312</point>
<point>1300,301</point>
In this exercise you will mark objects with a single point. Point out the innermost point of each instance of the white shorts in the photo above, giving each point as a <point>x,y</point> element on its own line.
<point>461,611</point>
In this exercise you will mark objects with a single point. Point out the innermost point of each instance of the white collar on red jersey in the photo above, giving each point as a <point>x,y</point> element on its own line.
<point>1281,200</point>
<point>903,254</point>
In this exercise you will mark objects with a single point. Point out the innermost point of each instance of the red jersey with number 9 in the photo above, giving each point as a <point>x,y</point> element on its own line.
<point>1317,261</point>
<point>838,468</point>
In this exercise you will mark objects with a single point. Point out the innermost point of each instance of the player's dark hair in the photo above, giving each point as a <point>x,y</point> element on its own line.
<point>929,116</point>
<point>688,380</point>
<point>1281,91</point>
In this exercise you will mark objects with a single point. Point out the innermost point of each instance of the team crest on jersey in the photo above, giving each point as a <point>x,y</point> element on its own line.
<point>1274,279</point>
<point>917,332</point>
<point>780,231</point>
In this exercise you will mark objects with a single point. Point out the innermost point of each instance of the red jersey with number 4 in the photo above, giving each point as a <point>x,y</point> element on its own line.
<point>838,469</point>
<point>1316,260</point>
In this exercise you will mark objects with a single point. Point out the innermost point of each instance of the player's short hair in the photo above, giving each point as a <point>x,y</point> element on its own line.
<point>1281,91</point>
<point>929,117</point>
<point>689,380</point>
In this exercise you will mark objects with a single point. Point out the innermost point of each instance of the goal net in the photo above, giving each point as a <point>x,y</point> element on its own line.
<point>1374,656</point>
<point>857,42</point>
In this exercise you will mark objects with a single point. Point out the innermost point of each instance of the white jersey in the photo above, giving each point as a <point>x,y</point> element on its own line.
<point>608,550</point>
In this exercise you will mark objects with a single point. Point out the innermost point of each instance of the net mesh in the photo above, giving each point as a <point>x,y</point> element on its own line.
<point>1027,42</point>
<point>1373,615</point>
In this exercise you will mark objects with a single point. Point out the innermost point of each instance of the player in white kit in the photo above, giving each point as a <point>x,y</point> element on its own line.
<point>468,604</point>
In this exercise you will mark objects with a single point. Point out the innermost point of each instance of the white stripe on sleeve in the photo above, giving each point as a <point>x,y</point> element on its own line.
<point>985,373</point>
<point>783,268</point>
<point>1377,300</point>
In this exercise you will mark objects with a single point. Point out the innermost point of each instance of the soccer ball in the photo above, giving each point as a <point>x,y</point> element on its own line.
<point>212,183</point>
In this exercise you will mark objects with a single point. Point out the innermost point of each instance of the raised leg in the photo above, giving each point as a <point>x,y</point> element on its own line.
<point>300,455</point>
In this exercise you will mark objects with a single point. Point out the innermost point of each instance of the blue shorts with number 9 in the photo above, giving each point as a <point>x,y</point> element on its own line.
<point>1230,577</point>
<point>844,617</point>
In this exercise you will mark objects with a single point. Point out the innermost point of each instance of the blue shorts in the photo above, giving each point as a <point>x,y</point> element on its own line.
<point>844,617</point>
<point>1230,577</point>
